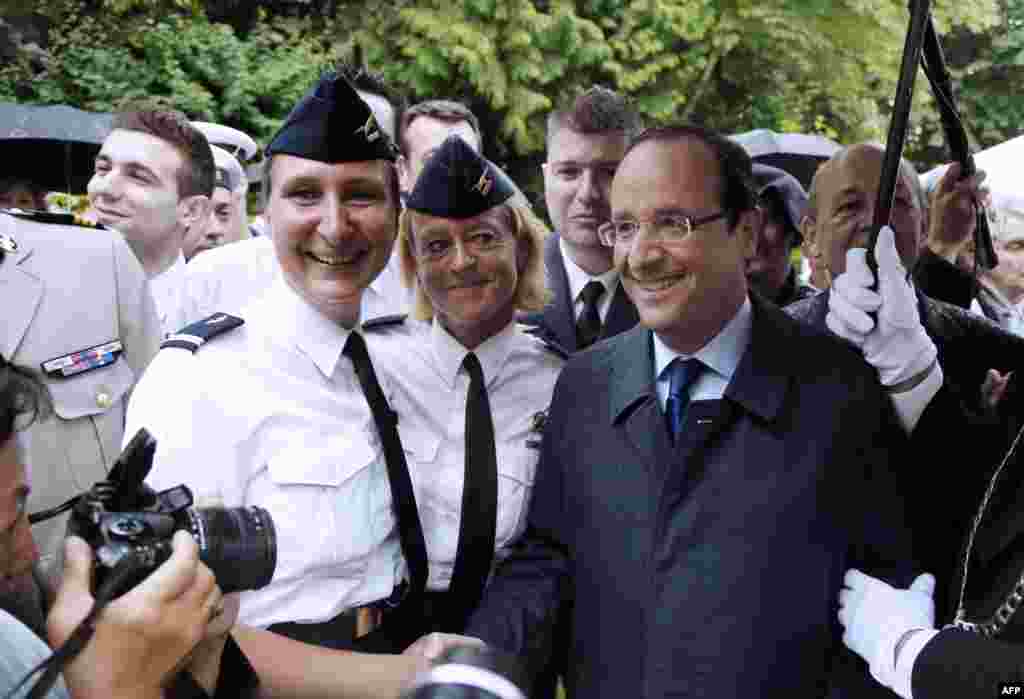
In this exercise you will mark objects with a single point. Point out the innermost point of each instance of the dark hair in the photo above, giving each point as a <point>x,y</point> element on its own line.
<point>23,399</point>
<point>595,111</point>
<point>365,80</point>
<point>735,171</point>
<point>197,175</point>
<point>442,110</point>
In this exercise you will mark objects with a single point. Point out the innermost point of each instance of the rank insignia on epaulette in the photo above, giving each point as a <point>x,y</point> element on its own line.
<point>384,321</point>
<point>537,424</point>
<point>83,360</point>
<point>58,218</point>
<point>194,336</point>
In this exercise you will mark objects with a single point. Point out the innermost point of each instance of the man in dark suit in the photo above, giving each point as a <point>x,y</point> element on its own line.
<point>702,478</point>
<point>957,436</point>
<point>584,146</point>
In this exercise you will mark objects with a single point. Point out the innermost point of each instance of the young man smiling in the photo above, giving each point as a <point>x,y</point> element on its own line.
<point>274,414</point>
<point>153,180</point>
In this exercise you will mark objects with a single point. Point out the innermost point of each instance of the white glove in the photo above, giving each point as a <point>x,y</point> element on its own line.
<point>876,615</point>
<point>897,346</point>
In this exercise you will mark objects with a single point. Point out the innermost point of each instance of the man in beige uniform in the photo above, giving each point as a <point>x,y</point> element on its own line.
<point>78,311</point>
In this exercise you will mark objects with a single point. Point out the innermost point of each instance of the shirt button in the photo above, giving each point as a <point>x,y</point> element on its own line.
<point>104,400</point>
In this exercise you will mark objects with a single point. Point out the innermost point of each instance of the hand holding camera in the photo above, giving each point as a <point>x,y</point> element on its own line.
<point>141,638</point>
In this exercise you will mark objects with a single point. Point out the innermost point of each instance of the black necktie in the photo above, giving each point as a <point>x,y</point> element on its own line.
<point>588,325</point>
<point>479,502</point>
<point>682,372</point>
<point>410,531</point>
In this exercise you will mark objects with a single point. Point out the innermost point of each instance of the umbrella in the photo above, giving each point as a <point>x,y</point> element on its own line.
<point>53,146</point>
<point>1001,164</point>
<point>796,153</point>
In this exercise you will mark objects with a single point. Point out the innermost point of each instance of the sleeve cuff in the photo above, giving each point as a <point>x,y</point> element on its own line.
<point>905,662</point>
<point>910,405</point>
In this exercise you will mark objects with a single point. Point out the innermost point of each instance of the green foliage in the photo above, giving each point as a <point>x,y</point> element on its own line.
<point>819,66</point>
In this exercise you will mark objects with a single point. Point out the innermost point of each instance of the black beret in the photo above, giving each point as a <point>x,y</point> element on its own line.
<point>332,124</point>
<point>785,189</point>
<point>457,182</point>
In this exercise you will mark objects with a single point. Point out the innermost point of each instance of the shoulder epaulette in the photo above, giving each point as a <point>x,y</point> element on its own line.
<point>194,336</point>
<point>384,321</point>
<point>551,346</point>
<point>540,335</point>
<point>52,217</point>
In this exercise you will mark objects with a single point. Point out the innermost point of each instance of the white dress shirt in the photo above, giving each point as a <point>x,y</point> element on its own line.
<point>425,364</point>
<point>173,305</point>
<point>578,279</point>
<point>720,356</point>
<point>272,414</point>
<point>230,278</point>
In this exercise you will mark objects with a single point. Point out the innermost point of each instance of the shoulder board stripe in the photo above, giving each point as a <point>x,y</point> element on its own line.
<point>194,336</point>
<point>384,321</point>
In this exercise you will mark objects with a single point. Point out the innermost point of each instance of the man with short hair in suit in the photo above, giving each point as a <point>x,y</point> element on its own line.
<point>703,477</point>
<point>585,144</point>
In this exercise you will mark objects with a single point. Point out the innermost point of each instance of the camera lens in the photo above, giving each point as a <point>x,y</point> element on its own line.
<point>471,673</point>
<point>238,543</point>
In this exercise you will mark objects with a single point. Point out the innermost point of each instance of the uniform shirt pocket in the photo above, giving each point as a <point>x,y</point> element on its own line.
<point>93,392</point>
<point>517,468</point>
<point>325,503</point>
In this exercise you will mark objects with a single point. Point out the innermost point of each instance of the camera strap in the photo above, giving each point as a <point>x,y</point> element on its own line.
<point>410,531</point>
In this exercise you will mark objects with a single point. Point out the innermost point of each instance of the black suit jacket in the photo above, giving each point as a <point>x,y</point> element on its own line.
<point>958,441</point>
<point>557,322</point>
<point>963,665</point>
<point>711,567</point>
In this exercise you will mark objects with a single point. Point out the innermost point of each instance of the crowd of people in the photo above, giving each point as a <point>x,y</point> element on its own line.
<point>639,450</point>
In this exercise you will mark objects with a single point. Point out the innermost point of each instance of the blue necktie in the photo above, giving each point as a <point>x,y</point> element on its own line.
<point>682,373</point>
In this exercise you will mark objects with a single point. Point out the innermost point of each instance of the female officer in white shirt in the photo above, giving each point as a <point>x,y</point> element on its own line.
<point>470,385</point>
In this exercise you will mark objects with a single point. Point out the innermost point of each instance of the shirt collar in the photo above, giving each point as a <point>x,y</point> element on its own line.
<point>578,278</point>
<point>721,354</point>
<point>450,353</point>
<point>316,336</point>
<point>169,283</point>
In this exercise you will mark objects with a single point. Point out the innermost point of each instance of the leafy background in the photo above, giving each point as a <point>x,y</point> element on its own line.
<point>815,66</point>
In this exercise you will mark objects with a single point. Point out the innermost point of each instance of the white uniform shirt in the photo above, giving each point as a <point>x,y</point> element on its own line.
<point>425,364</point>
<point>173,305</point>
<point>272,414</point>
<point>228,279</point>
<point>578,279</point>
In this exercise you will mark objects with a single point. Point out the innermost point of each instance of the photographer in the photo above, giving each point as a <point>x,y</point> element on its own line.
<point>141,638</point>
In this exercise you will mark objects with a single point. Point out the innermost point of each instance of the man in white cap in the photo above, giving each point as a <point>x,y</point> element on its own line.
<point>243,149</point>
<point>227,211</point>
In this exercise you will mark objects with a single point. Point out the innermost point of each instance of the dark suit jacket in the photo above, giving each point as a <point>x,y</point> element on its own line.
<point>712,567</point>
<point>557,322</point>
<point>963,665</point>
<point>958,441</point>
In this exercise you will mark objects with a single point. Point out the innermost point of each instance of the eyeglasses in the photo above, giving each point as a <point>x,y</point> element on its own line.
<point>667,229</point>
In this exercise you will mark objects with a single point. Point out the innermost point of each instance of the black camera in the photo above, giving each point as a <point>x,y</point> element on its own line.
<point>126,521</point>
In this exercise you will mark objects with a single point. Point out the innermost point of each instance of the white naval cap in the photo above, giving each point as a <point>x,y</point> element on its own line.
<point>224,161</point>
<point>232,140</point>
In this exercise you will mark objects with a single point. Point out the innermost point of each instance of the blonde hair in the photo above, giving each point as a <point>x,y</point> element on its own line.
<point>532,292</point>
